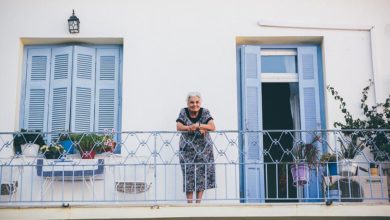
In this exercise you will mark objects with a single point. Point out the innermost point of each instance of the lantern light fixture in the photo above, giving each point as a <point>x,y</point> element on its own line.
<point>74,24</point>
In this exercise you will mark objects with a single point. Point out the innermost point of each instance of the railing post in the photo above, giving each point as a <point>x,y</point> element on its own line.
<point>155,166</point>
<point>337,162</point>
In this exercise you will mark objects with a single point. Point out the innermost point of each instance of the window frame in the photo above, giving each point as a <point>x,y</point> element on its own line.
<point>288,77</point>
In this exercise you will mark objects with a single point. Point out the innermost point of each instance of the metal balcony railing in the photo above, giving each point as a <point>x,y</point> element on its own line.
<point>151,167</point>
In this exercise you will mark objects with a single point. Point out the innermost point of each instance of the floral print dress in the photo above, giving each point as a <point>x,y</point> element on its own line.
<point>196,154</point>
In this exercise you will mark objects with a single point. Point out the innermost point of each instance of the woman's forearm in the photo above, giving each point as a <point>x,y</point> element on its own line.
<point>210,126</point>
<point>204,127</point>
<point>181,127</point>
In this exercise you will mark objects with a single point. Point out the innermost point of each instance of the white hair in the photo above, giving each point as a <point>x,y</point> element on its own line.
<point>194,94</point>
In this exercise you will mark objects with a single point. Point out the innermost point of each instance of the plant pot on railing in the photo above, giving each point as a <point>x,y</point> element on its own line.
<point>107,147</point>
<point>332,167</point>
<point>54,151</point>
<point>88,154</point>
<point>87,144</point>
<point>374,171</point>
<point>68,146</point>
<point>300,174</point>
<point>52,155</point>
<point>28,142</point>
<point>305,155</point>
<point>66,141</point>
<point>329,161</point>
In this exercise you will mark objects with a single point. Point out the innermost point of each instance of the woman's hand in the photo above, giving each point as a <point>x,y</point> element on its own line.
<point>194,127</point>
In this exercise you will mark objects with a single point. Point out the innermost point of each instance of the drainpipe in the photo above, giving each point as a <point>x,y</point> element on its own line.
<point>369,29</point>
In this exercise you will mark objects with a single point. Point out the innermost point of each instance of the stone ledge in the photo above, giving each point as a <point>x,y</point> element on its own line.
<point>239,211</point>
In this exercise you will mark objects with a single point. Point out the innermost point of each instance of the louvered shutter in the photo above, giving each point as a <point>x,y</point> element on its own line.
<point>37,89</point>
<point>309,91</point>
<point>83,89</point>
<point>310,109</point>
<point>60,89</point>
<point>252,122</point>
<point>107,75</point>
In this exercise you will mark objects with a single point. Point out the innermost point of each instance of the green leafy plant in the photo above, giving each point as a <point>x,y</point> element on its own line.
<point>108,144</point>
<point>56,148</point>
<point>374,165</point>
<point>375,117</point>
<point>25,137</point>
<point>87,142</point>
<point>307,152</point>
<point>328,158</point>
<point>352,148</point>
<point>53,151</point>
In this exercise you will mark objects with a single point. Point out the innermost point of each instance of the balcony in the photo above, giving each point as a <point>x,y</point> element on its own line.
<point>144,170</point>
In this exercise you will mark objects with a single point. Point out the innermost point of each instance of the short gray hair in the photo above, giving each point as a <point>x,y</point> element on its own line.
<point>194,94</point>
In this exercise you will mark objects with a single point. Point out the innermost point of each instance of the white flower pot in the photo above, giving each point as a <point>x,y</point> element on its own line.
<point>30,150</point>
<point>348,167</point>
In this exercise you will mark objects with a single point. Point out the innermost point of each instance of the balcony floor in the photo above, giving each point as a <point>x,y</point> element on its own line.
<point>202,211</point>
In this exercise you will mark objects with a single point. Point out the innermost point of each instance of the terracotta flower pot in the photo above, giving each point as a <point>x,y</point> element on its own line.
<point>374,171</point>
<point>348,167</point>
<point>88,155</point>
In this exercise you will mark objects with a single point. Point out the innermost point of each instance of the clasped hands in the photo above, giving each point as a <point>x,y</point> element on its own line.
<point>197,127</point>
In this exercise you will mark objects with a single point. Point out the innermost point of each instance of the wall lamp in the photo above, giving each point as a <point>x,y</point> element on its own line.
<point>74,24</point>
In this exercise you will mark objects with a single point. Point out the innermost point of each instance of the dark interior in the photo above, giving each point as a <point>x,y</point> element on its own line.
<point>277,116</point>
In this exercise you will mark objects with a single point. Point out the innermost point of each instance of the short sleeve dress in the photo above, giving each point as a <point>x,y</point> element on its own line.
<point>196,154</point>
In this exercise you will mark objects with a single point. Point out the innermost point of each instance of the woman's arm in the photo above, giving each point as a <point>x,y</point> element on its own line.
<point>181,127</point>
<point>210,126</point>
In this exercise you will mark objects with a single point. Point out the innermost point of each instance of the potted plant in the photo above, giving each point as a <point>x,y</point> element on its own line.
<point>374,169</point>
<point>305,156</point>
<point>28,142</point>
<point>54,151</point>
<point>347,153</point>
<point>376,117</point>
<point>330,161</point>
<point>108,144</point>
<point>87,144</point>
<point>66,141</point>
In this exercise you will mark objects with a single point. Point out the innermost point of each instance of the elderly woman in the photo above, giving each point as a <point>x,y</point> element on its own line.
<point>196,148</point>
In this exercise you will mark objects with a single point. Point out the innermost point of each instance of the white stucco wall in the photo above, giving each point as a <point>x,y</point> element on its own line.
<point>173,47</point>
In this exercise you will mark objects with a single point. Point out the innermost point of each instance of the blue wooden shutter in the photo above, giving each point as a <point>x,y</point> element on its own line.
<point>60,89</point>
<point>107,76</point>
<point>309,91</point>
<point>37,89</point>
<point>83,89</point>
<point>310,109</point>
<point>252,121</point>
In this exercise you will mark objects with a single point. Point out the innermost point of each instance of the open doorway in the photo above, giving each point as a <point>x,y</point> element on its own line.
<point>280,112</point>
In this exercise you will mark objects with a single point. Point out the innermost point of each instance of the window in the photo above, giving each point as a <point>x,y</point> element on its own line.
<point>71,88</point>
<point>278,61</point>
